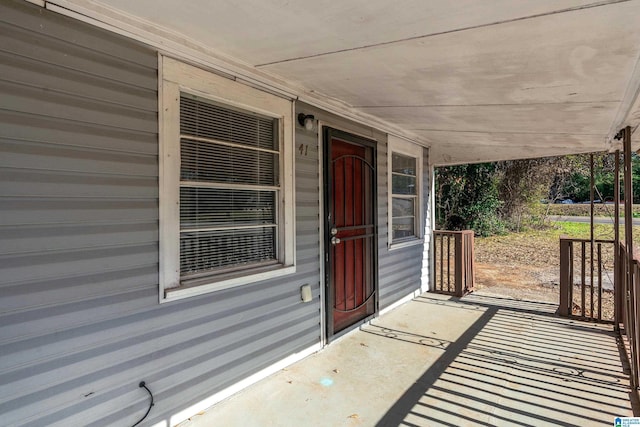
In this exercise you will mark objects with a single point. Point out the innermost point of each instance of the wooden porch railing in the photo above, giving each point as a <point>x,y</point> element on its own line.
<point>587,279</point>
<point>578,298</point>
<point>454,271</point>
<point>627,315</point>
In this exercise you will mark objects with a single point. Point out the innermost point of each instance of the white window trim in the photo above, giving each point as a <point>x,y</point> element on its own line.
<point>404,147</point>
<point>176,77</point>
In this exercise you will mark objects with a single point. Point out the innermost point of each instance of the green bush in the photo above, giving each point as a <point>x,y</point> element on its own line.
<point>491,198</point>
<point>467,198</point>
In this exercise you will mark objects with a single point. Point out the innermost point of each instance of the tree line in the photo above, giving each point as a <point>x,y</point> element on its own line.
<point>492,198</point>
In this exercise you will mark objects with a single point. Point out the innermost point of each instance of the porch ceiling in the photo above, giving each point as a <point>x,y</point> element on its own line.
<point>474,81</point>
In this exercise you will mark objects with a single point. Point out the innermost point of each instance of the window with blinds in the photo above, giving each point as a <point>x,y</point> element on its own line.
<point>229,185</point>
<point>404,197</point>
<point>226,183</point>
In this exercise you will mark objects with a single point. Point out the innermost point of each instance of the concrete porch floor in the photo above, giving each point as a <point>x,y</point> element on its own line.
<point>441,361</point>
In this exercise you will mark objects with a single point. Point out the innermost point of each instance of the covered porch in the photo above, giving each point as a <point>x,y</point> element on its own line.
<point>90,106</point>
<point>441,360</point>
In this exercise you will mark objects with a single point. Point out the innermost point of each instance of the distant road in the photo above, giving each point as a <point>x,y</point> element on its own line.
<point>596,220</point>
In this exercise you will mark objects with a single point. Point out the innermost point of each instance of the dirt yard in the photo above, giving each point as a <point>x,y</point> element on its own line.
<point>521,266</point>
<point>526,266</point>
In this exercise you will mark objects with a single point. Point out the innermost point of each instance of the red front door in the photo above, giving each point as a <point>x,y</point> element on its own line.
<point>351,238</point>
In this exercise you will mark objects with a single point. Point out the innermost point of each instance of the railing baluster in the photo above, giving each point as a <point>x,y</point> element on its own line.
<point>448,263</point>
<point>458,275</point>
<point>600,281</point>
<point>571,278</point>
<point>591,281</point>
<point>618,287</point>
<point>566,284</point>
<point>583,282</point>
<point>469,276</point>
<point>634,319</point>
<point>441,263</point>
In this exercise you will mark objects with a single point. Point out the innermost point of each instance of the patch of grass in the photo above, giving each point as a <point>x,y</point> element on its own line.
<point>601,231</point>
<point>540,247</point>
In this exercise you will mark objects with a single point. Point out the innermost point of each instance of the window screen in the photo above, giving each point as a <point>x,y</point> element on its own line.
<point>404,196</point>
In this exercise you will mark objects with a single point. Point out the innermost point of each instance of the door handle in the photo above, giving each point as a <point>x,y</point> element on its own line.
<point>335,240</point>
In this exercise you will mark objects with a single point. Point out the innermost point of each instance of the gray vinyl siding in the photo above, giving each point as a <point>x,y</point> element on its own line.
<point>81,325</point>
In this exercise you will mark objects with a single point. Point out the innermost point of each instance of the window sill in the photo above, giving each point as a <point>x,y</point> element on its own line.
<point>241,279</point>
<point>406,243</point>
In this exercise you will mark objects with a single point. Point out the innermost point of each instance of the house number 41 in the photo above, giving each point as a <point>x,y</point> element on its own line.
<point>303,149</point>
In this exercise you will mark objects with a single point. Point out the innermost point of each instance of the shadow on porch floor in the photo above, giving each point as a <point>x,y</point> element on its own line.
<point>437,360</point>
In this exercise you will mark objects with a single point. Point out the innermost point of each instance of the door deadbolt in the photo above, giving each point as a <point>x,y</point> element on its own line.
<point>334,231</point>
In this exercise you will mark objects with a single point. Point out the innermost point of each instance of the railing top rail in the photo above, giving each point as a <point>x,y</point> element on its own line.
<point>453,233</point>
<point>574,239</point>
